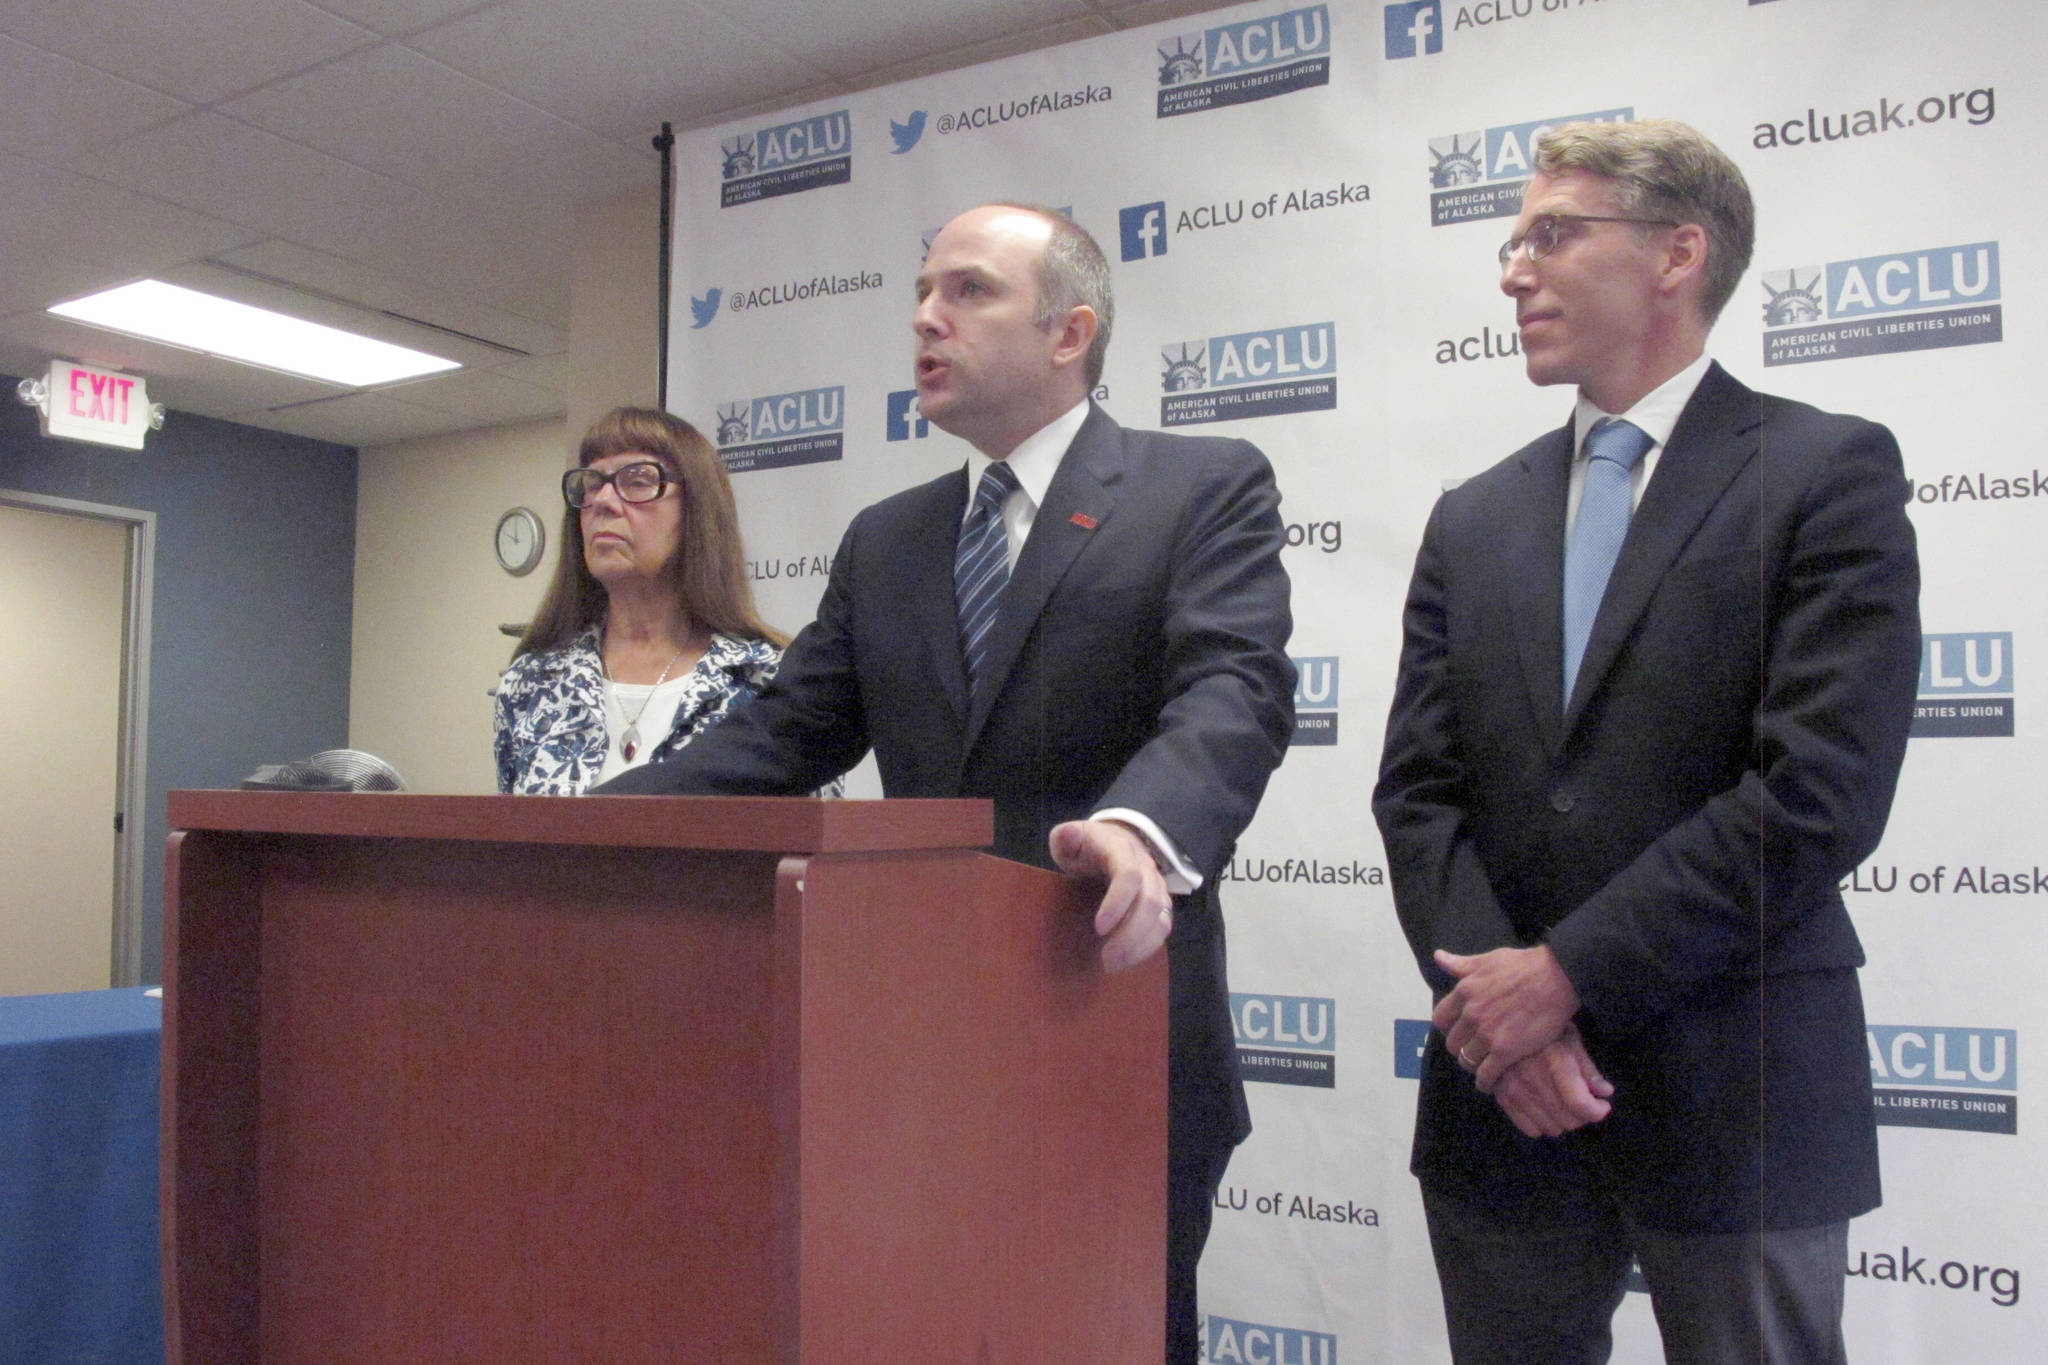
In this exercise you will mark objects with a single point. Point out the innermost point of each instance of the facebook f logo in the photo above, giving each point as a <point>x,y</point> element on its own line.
<point>905,421</point>
<point>1144,230</point>
<point>1414,28</point>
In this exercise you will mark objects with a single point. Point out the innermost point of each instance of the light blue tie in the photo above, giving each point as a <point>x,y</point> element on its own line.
<point>981,565</point>
<point>1612,449</point>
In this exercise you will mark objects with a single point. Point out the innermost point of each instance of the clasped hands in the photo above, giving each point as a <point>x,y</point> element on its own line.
<point>1136,913</point>
<point>1509,1022</point>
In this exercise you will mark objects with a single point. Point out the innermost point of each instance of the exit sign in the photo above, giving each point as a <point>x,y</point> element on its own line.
<point>86,403</point>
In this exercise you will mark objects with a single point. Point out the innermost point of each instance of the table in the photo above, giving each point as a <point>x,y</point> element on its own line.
<point>79,1281</point>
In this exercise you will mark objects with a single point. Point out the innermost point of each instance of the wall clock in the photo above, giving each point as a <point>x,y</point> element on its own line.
<point>520,540</point>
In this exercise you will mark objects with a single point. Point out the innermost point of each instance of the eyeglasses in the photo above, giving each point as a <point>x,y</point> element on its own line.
<point>640,481</point>
<point>1544,234</point>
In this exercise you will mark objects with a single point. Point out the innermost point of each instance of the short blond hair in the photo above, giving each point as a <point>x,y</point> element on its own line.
<point>1665,169</point>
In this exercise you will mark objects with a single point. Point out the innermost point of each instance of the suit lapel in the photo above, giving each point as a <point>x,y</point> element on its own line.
<point>1086,485</point>
<point>1534,550</point>
<point>928,585</point>
<point>1715,437</point>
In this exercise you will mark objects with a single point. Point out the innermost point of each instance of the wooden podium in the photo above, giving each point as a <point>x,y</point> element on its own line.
<point>648,1079</point>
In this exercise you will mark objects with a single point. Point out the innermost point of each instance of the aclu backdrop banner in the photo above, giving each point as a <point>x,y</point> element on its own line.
<point>1302,205</point>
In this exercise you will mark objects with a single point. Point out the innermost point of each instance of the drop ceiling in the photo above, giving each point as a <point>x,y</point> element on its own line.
<point>412,169</point>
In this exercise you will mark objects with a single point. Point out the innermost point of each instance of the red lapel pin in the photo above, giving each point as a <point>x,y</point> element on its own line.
<point>1083,520</point>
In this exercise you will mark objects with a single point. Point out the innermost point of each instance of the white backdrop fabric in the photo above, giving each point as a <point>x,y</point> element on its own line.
<point>1302,207</point>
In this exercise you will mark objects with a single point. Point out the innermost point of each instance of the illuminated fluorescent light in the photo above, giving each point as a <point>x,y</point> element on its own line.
<point>254,336</point>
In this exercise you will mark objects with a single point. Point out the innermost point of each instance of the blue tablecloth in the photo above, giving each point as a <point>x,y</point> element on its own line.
<point>79,1281</point>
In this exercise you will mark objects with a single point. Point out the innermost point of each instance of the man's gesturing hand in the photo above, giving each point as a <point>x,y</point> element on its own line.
<point>1136,913</point>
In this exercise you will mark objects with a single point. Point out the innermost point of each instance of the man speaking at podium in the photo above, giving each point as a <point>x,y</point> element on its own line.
<point>1088,627</point>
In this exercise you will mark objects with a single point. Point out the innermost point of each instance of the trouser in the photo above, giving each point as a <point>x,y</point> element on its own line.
<point>1546,1296</point>
<point>1191,1184</point>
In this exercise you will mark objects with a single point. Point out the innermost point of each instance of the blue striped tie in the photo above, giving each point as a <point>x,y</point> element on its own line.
<point>1605,501</point>
<point>981,566</point>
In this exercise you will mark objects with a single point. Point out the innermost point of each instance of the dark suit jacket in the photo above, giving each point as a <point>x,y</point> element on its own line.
<point>1677,831</point>
<point>1138,660</point>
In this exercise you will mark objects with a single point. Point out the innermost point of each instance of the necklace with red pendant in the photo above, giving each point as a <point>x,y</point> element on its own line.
<point>629,742</point>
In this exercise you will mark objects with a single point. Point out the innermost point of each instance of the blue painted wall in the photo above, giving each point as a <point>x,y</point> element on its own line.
<point>254,588</point>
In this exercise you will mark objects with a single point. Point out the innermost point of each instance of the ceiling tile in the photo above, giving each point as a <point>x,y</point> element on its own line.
<point>197,50</point>
<point>1143,12</point>
<point>541,298</point>
<point>45,212</point>
<point>481,398</point>
<point>56,107</point>
<point>305,196</point>
<point>617,67</point>
<point>473,316</point>
<point>32,280</point>
<point>892,32</point>
<point>361,419</point>
<point>812,94</point>
<point>368,109</point>
<point>394,17</point>
<point>1068,31</point>
<point>553,372</point>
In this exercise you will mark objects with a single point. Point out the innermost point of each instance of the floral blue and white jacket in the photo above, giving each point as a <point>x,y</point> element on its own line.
<point>551,734</point>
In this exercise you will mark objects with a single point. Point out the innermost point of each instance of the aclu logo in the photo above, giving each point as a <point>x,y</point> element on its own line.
<point>1966,686</point>
<point>1480,173</point>
<point>1286,1039</point>
<point>782,429</point>
<point>1249,374</point>
<point>1315,701</point>
<point>1931,1077</point>
<point>1415,29</point>
<point>787,158</point>
<point>1875,305</point>
<point>1142,229</point>
<point>1227,1341</point>
<point>1253,59</point>
<point>906,422</point>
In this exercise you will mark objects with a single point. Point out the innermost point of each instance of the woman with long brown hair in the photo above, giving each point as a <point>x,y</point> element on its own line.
<point>648,633</point>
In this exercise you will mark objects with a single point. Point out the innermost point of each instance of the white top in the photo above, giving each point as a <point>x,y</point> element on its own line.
<point>623,702</point>
<point>1035,460</point>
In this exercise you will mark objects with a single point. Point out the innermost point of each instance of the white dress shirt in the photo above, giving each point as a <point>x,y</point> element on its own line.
<point>1656,413</point>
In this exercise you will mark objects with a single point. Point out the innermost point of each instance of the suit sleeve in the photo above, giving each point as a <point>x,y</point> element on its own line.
<point>1421,803</point>
<point>805,729</point>
<point>1228,709</point>
<point>1724,890</point>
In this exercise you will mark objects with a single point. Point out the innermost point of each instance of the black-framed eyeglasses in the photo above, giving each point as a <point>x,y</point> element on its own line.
<point>1546,232</point>
<point>640,481</point>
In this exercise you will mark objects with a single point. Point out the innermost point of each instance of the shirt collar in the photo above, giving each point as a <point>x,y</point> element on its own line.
<point>1037,457</point>
<point>1656,412</point>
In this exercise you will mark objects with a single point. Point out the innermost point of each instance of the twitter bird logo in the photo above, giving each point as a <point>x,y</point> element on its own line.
<point>907,132</point>
<point>704,310</point>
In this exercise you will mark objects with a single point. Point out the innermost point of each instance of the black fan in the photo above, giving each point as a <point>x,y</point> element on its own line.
<point>330,770</point>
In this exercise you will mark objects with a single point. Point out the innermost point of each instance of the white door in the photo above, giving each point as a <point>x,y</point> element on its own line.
<point>63,594</point>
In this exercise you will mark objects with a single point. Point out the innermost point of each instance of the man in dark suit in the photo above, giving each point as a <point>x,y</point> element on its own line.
<point>1122,697</point>
<point>1617,805</point>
